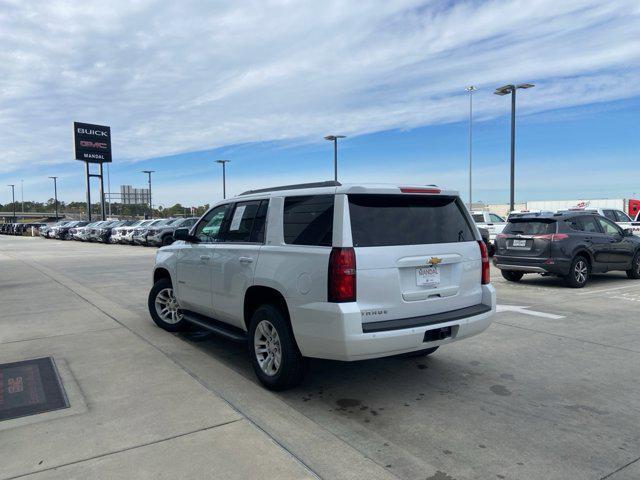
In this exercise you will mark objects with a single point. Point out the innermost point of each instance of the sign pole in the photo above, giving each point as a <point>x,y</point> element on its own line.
<point>86,164</point>
<point>102,208</point>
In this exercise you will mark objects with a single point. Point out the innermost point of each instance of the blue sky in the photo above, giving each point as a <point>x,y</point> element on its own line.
<point>260,84</point>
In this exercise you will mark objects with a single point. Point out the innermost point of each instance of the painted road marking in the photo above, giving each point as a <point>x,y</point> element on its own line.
<point>603,290</point>
<point>526,311</point>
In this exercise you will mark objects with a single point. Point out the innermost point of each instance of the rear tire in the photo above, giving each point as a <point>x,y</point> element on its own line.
<point>578,273</point>
<point>511,275</point>
<point>164,308</point>
<point>275,357</point>
<point>634,271</point>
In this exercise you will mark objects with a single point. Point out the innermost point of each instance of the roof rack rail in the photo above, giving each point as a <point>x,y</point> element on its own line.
<point>330,183</point>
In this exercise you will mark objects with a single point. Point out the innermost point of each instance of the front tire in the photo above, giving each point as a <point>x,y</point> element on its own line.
<point>275,357</point>
<point>511,276</point>
<point>634,271</point>
<point>578,273</point>
<point>164,308</point>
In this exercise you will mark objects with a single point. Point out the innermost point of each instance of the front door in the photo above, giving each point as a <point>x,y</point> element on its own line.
<point>622,249</point>
<point>236,258</point>
<point>194,264</point>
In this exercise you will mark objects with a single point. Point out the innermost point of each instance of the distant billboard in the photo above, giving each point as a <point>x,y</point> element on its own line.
<point>92,143</point>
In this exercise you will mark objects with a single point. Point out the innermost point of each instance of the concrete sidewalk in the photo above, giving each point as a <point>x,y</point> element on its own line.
<point>134,412</point>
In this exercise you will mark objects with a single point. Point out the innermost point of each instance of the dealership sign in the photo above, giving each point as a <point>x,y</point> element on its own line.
<point>92,143</point>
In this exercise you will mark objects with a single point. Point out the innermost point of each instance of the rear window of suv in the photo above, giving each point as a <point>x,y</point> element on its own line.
<point>385,220</point>
<point>530,227</point>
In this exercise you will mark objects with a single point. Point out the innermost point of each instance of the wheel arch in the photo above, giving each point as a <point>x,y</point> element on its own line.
<point>258,295</point>
<point>584,252</point>
<point>160,273</point>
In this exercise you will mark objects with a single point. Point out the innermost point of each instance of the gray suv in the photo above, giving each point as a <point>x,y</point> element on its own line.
<point>162,235</point>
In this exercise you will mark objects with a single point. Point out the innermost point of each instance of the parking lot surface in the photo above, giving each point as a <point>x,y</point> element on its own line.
<point>550,391</point>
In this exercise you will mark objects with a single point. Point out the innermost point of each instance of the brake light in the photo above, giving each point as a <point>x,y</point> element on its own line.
<point>486,275</point>
<point>342,275</point>
<point>419,190</point>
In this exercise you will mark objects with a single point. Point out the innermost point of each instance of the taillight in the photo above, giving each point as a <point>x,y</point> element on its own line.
<point>486,275</point>
<point>554,237</point>
<point>419,190</point>
<point>342,275</point>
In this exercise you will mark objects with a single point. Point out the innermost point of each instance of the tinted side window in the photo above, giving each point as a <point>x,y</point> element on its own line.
<point>208,229</point>
<point>589,224</point>
<point>574,224</point>
<point>496,218</point>
<point>384,220</point>
<point>308,220</point>
<point>609,214</point>
<point>257,233</point>
<point>478,218</point>
<point>621,216</point>
<point>609,227</point>
<point>238,228</point>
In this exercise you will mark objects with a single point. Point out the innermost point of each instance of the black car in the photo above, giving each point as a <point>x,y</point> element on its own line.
<point>571,245</point>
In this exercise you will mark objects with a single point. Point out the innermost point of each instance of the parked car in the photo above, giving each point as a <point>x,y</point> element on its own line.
<point>484,234</point>
<point>102,230</point>
<point>163,234</point>
<point>103,234</point>
<point>141,232</point>
<point>52,230</point>
<point>63,232</point>
<point>117,233</point>
<point>572,245</point>
<point>127,235</point>
<point>81,233</point>
<point>344,272</point>
<point>492,222</point>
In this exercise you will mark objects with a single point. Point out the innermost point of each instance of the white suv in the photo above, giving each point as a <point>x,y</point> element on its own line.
<point>343,272</point>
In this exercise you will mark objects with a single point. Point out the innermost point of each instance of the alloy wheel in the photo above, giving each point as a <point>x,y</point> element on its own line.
<point>167,306</point>
<point>581,271</point>
<point>267,347</point>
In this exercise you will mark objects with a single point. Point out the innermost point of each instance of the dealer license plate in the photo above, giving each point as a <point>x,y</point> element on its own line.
<point>428,276</point>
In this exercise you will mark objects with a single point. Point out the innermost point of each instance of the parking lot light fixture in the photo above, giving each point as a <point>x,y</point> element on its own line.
<point>505,90</point>
<point>13,200</point>
<point>334,139</point>
<point>55,194</point>
<point>149,172</point>
<point>224,176</point>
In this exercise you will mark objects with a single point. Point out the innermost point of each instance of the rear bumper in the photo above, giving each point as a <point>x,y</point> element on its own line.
<point>558,266</point>
<point>335,330</point>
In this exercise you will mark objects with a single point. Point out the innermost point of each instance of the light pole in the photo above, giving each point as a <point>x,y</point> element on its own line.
<point>22,194</point>
<point>13,200</point>
<point>334,139</point>
<point>55,194</point>
<point>149,172</point>
<point>224,176</point>
<point>505,91</point>
<point>470,89</point>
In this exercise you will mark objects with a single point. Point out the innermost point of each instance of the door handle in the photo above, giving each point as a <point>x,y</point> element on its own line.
<point>245,260</point>
<point>205,258</point>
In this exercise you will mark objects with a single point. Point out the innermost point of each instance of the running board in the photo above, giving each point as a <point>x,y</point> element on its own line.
<point>215,326</point>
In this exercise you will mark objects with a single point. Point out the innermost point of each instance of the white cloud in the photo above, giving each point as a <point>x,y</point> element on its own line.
<point>171,77</point>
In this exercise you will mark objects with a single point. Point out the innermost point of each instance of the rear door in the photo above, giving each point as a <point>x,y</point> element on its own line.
<point>600,243</point>
<point>235,259</point>
<point>415,255</point>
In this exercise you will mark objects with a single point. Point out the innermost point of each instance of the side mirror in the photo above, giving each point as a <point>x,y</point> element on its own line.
<point>627,232</point>
<point>183,234</point>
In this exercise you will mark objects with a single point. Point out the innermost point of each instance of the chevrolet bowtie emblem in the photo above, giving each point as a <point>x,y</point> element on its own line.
<point>434,260</point>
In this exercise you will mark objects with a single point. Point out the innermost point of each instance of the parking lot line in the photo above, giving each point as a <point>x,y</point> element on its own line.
<point>604,290</point>
<point>526,311</point>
